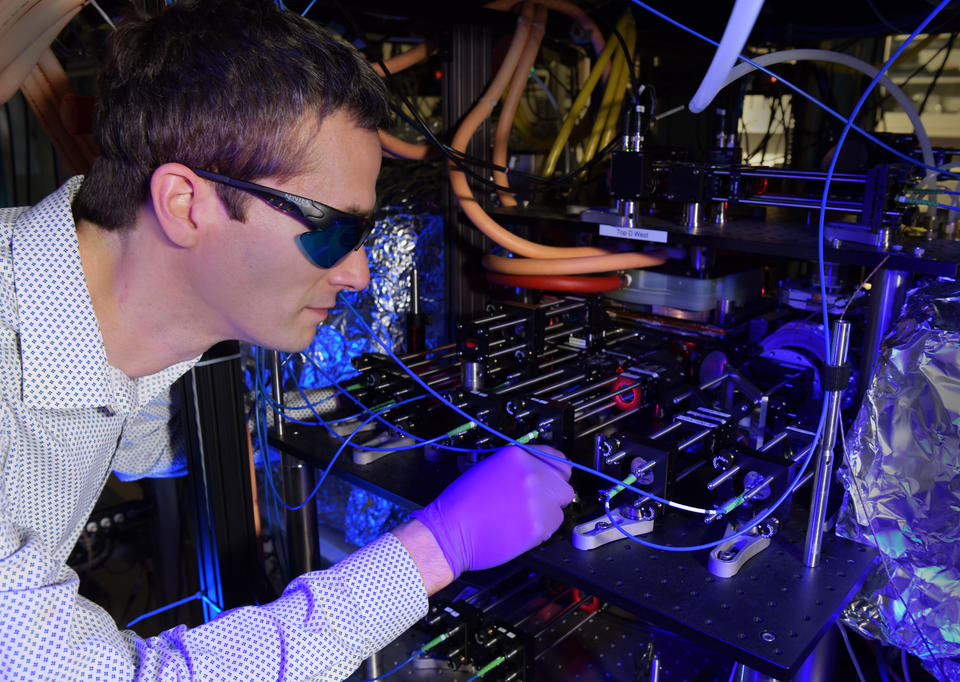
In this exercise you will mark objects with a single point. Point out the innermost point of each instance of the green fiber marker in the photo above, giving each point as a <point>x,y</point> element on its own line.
<point>629,480</point>
<point>490,666</point>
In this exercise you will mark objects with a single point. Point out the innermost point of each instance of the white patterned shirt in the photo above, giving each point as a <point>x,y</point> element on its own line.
<point>67,418</point>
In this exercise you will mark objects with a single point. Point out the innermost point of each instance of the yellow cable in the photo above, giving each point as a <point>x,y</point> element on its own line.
<point>614,84</point>
<point>577,108</point>
<point>613,118</point>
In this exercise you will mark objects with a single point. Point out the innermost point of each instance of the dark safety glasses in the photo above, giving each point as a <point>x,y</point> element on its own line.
<point>332,234</point>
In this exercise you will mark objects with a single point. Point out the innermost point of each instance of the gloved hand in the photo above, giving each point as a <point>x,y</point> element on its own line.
<point>502,507</point>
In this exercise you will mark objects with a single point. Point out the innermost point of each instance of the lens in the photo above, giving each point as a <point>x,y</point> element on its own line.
<point>324,248</point>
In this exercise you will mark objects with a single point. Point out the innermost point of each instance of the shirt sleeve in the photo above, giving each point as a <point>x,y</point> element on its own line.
<point>321,628</point>
<point>152,443</point>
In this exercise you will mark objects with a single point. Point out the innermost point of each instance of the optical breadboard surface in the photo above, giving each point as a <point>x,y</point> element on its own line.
<point>769,616</point>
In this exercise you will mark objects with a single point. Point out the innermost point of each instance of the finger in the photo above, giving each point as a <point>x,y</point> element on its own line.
<point>557,491</point>
<point>554,462</point>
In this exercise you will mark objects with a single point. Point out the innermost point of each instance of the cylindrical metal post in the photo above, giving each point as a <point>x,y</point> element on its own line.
<point>472,376</point>
<point>886,298</point>
<point>276,388</point>
<point>298,482</point>
<point>374,667</point>
<point>824,464</point>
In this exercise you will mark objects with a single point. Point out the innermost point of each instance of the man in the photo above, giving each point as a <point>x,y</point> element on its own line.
<point>169,249</point>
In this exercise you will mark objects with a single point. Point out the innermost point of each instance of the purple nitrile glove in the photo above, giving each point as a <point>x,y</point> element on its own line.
<point>502,507</point>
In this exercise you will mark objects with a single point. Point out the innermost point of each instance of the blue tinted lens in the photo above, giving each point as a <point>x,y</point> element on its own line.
<point>324,248</point>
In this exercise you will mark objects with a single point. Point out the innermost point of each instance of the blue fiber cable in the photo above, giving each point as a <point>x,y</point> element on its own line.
<point>269,493</point>
<point>848,124</point>
<point>173,605</point>
<point>508,439</point>
<point>343,445</point>
<point>796,89</point>
<point>397,428</point>
<point>748,526</point>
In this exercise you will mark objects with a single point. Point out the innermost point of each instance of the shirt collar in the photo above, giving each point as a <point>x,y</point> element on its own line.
<point>61,348</point>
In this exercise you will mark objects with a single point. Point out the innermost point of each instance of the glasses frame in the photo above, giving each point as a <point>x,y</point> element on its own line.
<point>316,216</point>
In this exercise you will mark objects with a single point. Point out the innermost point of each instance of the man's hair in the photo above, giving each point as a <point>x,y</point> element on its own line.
<point>222,86</point>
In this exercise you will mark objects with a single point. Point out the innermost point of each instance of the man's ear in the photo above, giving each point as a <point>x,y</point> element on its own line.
<point>182,203</point>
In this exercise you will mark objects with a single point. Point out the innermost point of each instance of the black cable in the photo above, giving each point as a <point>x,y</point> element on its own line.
<point>634,81</point>
<point>936,76</point>
<point>914,73</point>
<point>461,159</point>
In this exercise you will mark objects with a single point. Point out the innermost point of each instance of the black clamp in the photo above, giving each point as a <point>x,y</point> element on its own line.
<point>835,378</point>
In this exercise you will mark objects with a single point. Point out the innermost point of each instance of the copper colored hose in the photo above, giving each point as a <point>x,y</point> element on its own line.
<point>564,7</point>
<point>575,283</point>
<point>573,266</point>
<point>399,62</point>
<point>509,109</point>
<point>545,260</point>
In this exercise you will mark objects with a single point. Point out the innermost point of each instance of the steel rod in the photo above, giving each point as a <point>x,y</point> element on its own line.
<point>824,468</point>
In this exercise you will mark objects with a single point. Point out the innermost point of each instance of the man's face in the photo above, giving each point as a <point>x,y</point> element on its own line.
<point>253,276</point>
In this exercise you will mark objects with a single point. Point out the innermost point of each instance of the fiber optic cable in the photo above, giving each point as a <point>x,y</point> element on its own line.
<point>795,88</point>
<point>336,455</point>
<point>578,106</point>
<point>749,525</point>
<point>611,98</point>
<point>180,602</point>
<point>420,441</point>
<point>499,660</point>
<point>508,439</point>
<point>923,202</point>
<point>847,126</point>
<point>439,639</point>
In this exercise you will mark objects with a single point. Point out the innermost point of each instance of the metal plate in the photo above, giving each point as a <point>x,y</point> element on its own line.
<point>768,617</point>
<point>787,240</point>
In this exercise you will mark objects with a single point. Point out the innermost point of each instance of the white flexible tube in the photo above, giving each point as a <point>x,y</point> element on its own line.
<point>863,67</point>
<point>742,19</point>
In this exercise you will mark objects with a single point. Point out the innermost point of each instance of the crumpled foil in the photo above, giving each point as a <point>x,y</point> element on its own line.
<point>383,304</point>
<point>903,484</point>
<point>399,241</point>
<point>392,252</point>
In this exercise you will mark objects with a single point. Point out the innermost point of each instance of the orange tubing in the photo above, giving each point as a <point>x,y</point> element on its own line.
<point>564,7</point>
<point>509,109</point>
<point>575,283</point>
<point>544,260</point>
<point>573,266</point>
<point>393,146</point>
<point>399,62</point>
<point>458,179</point>
<point>401,149</point>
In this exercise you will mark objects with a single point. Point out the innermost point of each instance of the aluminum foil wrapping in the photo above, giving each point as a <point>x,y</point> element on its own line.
<point>383,304</point>
<point>392,252</point>
<point>903,483</point>
<point>399,241</point>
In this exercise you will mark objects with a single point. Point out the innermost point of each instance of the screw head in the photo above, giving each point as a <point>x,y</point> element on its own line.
<point>767,636</point>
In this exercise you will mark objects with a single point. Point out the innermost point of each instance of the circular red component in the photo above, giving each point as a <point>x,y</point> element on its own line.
<point>631,399</point>
<point>576,283</point>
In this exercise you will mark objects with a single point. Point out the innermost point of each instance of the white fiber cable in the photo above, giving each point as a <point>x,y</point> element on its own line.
<point>742,19</point>
<point>863,67</point>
